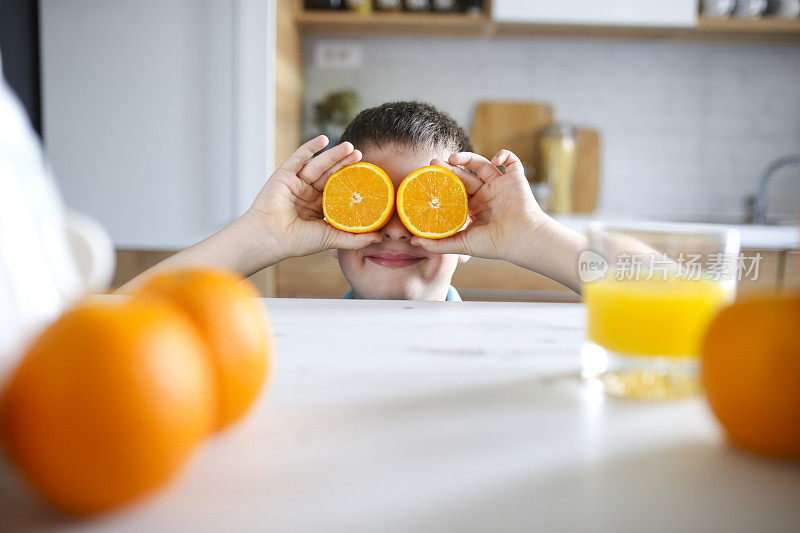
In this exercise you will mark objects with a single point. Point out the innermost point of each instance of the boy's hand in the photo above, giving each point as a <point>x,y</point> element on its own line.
<point>285,219</point>
<point>506,222</point>
<point>502,209</point>
<point>288,211</point>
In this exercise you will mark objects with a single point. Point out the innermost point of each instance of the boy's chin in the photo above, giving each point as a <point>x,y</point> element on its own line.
<point>397,293</point>
<point>384,294</point>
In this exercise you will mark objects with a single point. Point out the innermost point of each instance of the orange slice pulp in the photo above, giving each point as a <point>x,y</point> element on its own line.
<point>358,198</point>
<point>432,202</point>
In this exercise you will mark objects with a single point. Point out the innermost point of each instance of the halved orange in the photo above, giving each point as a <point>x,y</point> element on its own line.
<point>432,202</point>
<point>358,198</point>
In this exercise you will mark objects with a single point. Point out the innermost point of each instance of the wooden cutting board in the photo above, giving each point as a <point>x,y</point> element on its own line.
<point>516,126</point>
<point>511,125</point>
<point>586,182</point>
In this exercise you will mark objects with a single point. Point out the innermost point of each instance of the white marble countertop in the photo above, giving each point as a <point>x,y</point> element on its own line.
<point>449,417</point>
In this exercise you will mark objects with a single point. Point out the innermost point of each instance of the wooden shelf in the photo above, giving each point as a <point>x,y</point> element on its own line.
<point>342,22</point>
<point>766,26</point>
<point>440,24</point>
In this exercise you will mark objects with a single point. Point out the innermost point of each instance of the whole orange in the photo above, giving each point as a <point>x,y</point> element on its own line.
<point>107,403</point>
<point>234,326</point>
<point>751,373</point>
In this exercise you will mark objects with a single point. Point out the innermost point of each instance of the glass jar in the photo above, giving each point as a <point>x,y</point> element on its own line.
<point>417,5</point>
<point>444,6</point>
<point>750,8</point>
<point>323,4</point>
<point>558,164</point>
<point>718,8</point>
<point>360,6</point>
<point>474,7</point>
<point>388,5</point>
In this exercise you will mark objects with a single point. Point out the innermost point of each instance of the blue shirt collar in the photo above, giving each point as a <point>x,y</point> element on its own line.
<point>452,295</point>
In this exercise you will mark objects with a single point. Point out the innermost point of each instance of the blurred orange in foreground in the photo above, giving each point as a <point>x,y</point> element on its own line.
<point>108,402</point>
<point>233,325</point>
<point>751,373</point>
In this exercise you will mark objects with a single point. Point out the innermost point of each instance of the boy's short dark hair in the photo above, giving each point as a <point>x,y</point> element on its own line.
<point>411,124</point>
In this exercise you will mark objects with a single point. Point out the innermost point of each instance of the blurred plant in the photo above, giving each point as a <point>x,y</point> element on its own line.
<point>335,111</point>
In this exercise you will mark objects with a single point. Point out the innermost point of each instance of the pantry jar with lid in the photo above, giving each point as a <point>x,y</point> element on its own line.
<point>388,5</point>
<point>558,158</point>
<point>359,6</point>
<point>444,6</point>
<point>417,5</point>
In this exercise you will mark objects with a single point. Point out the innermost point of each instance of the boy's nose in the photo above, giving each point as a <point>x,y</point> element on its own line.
<point>394,229</point>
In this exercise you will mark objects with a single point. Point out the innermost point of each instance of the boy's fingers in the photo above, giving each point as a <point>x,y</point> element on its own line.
<point>299,158</point>
<point>477,163</point>
<point>455,244</point>
<point>508,160</point>
<point>471,181</point>
<point>336,238</point>
<point>315,168</point>
<point>354,157</point>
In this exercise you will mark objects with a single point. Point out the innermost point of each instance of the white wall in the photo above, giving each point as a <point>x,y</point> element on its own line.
<point>155,112</point>
<point>687,127</point>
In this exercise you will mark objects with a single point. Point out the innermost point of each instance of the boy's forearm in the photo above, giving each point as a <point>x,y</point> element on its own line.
<point>242,247</point>
<point>552,249</point>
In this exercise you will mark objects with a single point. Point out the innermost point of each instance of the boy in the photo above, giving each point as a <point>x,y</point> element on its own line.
<point>285,219</point>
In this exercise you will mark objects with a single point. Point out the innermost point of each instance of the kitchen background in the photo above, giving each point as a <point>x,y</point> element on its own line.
<point>687,128</point>
<point>162,119</point>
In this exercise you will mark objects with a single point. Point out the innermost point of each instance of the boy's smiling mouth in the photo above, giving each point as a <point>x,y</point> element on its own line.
<point>393,260</point>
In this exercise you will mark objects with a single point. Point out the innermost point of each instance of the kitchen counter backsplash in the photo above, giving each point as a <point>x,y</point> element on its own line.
<point>687,127</point>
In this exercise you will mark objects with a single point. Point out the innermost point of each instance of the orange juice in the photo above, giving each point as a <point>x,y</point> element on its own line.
<point>656,317</point>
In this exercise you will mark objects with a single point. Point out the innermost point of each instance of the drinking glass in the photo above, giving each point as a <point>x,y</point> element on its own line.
<point>650,292</point>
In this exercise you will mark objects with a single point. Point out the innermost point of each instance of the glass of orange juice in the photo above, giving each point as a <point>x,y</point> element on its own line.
<point>650,291</point>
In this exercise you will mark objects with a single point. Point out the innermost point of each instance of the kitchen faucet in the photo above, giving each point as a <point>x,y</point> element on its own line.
<point>756,204</point>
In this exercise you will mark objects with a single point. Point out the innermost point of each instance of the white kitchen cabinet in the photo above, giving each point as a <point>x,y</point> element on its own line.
<point>158,114</point>
<point>656,13</point>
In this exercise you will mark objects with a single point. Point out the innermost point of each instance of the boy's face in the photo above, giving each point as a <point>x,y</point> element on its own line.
<point>394,269</point>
